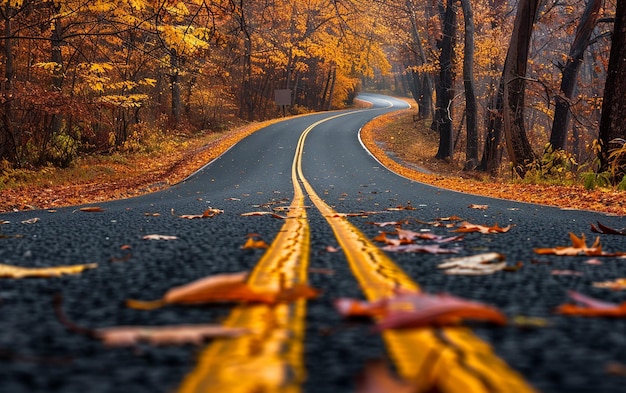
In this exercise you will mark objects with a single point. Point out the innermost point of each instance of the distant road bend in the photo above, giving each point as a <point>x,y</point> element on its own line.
<point>314,170</point>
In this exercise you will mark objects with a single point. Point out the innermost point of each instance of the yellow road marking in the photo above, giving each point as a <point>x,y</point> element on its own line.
<point>270,359</point>
<point>450,359</point>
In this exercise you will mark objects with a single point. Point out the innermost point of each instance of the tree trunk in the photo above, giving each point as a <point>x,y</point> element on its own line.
<point>421,84</point>
<point>513,75</point>
<point>612,130</point>
<point>558,136</point>
<point>471,107</point>
<point>177,103</point>
<point>8,146</point>
<point>445,92</point>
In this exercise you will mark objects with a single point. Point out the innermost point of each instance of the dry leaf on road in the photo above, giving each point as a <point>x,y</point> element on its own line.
<point>601,228</point>
<point>417,309</point>
<point>590,307</point>
<point>475,265</point>
<point>9,271</point>
<point>618,284</point>
<point>226,287</point>
<point>467,227</point>
<point>579,247</point>
<point>159,237</point>
<point>91,209</point>
<point>271,214</point>
<point>208,213</point>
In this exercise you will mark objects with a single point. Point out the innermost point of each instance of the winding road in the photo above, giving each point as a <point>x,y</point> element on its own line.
<point>314,170</point>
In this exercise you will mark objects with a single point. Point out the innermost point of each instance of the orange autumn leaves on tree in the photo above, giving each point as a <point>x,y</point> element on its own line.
<point>225,287</point>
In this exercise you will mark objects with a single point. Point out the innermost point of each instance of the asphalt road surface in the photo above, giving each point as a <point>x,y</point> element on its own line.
<point>39,354</point>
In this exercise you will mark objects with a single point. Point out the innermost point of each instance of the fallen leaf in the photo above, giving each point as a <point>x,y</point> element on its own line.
<point>387,223</point>
<point>618,284</point>
<point>208,213</point>
<point>479,207</point>
<point>31,220</point>
<point>607,230</point>
<point>271,214</point>
<point>377,378</point>
<point>331,249</point>
<point>253,243</point>
<point>9,271</point>
<point>579,247</point>
<point>593,261</point>
<point>400,208</point>
<point>474,265</point>
<point>417,309</point>
<point>428,249</point>
<point>159,237</point>
<point>590,307</point>
<point>226,287</point>
<point>152,214</point>
<point>123,336</point>
<point>466,227</point>
<point>91,209</point>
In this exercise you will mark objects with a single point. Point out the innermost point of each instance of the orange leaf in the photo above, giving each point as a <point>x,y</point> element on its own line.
<point>9,271</point>
<point>466,227</point>
<point>590,307</point>
<point>226,287</point>
<point>92,209</point>
<point>416,309</point>
<point>579,247</point>
<point>617,285</point>
<point>208,213</point>
<point>251,243</point>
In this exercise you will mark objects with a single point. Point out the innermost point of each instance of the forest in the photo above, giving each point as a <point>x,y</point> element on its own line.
<point>509,86</point>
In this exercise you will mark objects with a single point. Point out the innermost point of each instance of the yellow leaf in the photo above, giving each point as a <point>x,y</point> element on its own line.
<point>9,271</point>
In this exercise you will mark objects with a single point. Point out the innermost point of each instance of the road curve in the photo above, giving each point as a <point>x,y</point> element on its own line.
<point>269,169</point>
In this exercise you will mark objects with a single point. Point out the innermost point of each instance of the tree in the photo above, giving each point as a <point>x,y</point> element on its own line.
<point>558,136</point>
<point>471,110</point>
<point>445,86</point>
<point>509,106</point>
<point>612,131</point>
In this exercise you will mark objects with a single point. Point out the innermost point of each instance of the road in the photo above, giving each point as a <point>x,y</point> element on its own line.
<point>315,168</point>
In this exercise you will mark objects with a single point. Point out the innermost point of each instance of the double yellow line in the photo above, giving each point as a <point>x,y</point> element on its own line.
<point>271,358</point>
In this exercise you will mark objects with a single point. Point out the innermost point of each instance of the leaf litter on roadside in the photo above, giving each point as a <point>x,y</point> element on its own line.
<point>225,287</point>
<point>124,336</point>
<point>10,271</point>
<point>408,309</point>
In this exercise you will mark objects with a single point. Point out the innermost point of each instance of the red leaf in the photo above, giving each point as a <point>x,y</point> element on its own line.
<point>590,307</point>
<point>415,309</point>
